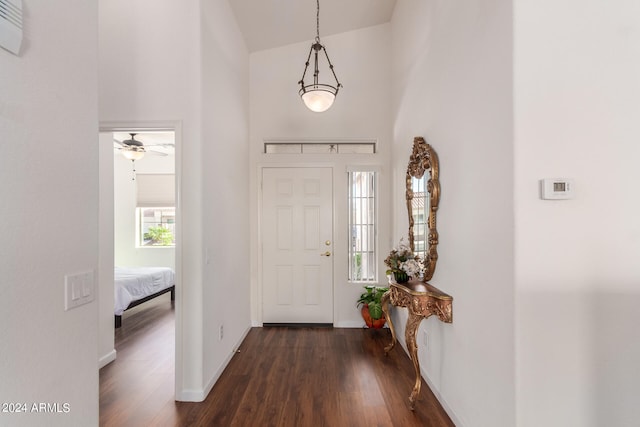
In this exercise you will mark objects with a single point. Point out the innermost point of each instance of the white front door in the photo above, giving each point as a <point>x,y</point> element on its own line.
<point>297,245</point>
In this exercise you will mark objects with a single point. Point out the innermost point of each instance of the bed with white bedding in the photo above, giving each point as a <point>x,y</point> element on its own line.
<point>135,285</point>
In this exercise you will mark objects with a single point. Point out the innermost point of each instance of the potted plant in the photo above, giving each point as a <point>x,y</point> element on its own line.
<point>371,306</point>
<point>403,263</point>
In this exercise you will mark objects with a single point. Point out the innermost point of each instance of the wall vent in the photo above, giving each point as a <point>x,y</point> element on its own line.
<point>11,25</point>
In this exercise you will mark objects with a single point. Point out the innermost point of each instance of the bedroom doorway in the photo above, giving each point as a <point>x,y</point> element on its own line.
<point>139,227</point>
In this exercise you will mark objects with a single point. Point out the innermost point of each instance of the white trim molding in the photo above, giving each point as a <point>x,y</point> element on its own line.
<point>195,395</point>
<point>106,359</point>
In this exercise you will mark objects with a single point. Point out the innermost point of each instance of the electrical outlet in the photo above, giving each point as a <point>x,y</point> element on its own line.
<point>221,333</point>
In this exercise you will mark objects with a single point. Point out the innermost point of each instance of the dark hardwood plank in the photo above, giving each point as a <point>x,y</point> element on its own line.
<point>140,382</point>
<point>279,377</point>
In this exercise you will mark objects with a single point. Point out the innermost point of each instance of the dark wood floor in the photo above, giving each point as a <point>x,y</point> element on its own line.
<point>279,377</point>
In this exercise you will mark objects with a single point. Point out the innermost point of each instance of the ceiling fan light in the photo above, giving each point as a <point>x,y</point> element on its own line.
<point>133,154</point>
<point>318,100</point>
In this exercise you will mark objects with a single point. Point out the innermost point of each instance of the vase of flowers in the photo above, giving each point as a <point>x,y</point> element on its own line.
<point>403,263</point>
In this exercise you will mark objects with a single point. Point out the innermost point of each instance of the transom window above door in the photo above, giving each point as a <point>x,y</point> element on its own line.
<point>320,147</point>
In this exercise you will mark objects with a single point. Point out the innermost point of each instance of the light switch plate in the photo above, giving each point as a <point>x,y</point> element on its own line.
<point>78,289</point>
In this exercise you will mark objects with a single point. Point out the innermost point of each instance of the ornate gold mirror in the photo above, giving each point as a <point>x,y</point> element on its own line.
<point>423,196</point>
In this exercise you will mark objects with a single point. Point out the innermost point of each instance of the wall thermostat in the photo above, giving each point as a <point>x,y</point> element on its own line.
<point>556,189</point>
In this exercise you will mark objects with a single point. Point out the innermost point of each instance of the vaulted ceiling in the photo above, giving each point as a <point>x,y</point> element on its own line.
<point>267,24</point>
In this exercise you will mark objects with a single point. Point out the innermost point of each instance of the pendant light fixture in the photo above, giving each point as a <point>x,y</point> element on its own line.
<point>316,96</point>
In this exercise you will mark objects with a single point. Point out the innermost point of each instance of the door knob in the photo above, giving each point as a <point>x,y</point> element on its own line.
<point>326,254</point>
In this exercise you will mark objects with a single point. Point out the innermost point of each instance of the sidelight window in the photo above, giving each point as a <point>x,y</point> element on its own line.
<point>362,226</point>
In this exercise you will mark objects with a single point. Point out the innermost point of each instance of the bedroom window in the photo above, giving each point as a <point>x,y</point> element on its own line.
<point>362,226</point>
<point>156,212</point>
<point>157,226</point>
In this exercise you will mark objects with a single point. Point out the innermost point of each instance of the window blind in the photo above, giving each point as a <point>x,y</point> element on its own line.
<point>156,190</point>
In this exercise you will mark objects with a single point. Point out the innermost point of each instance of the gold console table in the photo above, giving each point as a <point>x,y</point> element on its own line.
<point>422,300</point>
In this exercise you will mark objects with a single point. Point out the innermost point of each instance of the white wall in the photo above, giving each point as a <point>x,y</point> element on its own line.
<point>225,153</point>
<point>452,84</point>
<point>575,106</point>
<point>49,211</point>
<point>577,269</point>
<point>161,77</point>
<point>361,110</point>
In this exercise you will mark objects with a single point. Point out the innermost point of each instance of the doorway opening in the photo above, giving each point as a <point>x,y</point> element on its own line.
<point>140,248</point>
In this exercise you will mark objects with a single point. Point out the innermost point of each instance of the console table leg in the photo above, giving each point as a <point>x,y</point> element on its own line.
<point>384,302</point>
<point>410,335</point>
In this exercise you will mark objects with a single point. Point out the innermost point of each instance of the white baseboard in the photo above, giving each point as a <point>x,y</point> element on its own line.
<point>107,358</point>
<point>349,324</point>
<point>199,395</point>
<point>443,402</point>
<point>190,396</point>
<point>344,324</point>
<point>447,408</point>
<point>220,370</point>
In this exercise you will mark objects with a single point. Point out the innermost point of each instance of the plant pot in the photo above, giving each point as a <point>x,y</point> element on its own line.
<point>372,323</point>
<point>400,277</point>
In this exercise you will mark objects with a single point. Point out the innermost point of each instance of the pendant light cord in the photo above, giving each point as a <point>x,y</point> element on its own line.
<point>318,21</point>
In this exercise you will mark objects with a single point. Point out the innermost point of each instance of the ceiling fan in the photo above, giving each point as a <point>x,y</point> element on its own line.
<point>134,149</point>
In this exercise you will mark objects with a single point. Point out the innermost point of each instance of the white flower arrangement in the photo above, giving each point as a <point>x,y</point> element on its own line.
<point>412,267</point>
<point>402,259</point>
